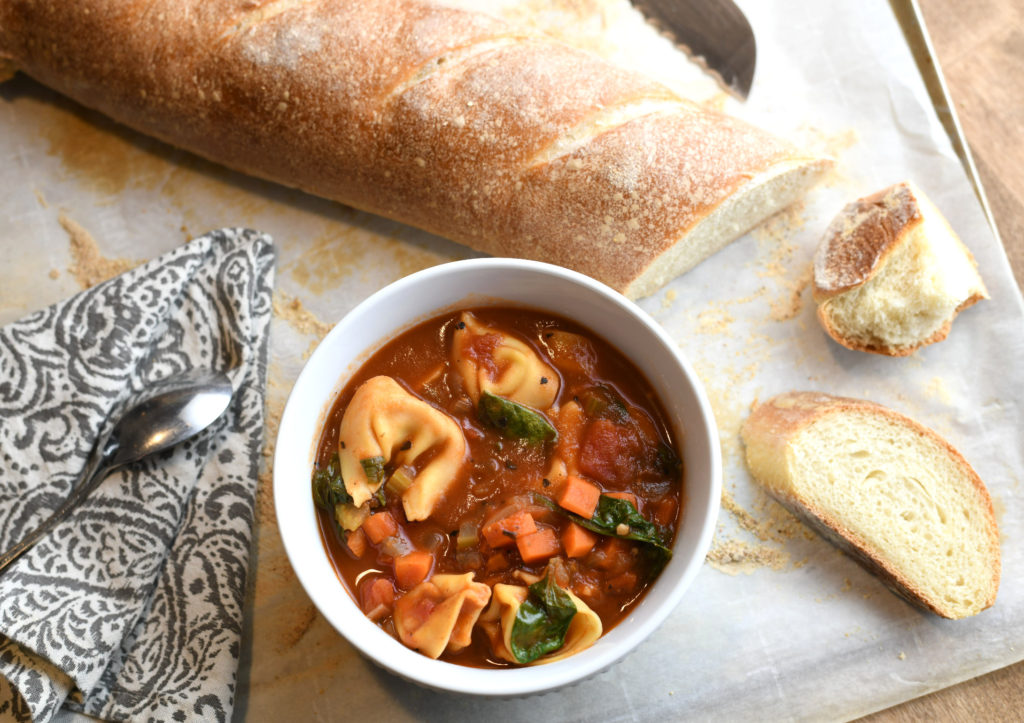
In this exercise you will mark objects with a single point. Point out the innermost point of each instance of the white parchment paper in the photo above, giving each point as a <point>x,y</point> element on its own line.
<point>785,628</point>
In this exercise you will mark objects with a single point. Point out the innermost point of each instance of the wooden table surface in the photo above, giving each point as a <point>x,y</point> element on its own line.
<point>980,48</point>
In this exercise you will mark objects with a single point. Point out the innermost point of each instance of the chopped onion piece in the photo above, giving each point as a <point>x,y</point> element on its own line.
<point>349,516</point>
<point>395,546</point>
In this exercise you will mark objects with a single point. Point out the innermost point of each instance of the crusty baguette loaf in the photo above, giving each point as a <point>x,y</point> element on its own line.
<point>885,489</point>
<point>448,120</point>
<point>890,274</point>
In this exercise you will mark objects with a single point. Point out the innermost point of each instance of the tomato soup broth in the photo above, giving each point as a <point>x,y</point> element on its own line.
<point>519,506</point>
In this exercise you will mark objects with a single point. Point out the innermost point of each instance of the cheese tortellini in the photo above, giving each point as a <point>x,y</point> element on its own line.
<point>383,420</point>
<point>499,618</point>
<point>492,361</point>
<point>439,613</point>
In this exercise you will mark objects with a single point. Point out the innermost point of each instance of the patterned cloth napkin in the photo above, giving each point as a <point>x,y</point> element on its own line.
<point>131,609</point>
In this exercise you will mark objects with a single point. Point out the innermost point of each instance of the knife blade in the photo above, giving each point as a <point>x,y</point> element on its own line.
<point>714,33</point>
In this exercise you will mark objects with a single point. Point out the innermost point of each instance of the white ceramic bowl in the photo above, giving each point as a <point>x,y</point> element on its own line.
<point>494,282</point>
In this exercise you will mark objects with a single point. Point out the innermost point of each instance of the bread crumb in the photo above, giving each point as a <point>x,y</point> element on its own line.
<point>778,228</point>
<point>774,525</point>
<point>937,388</point>
<point>791,303</point>
<point>41,199</point>
<point>735,556</point>
<point>54,274</point>
<point>902,655</point>
<point>89,266</point>
<point>291,309</point>
<point>714,321</point>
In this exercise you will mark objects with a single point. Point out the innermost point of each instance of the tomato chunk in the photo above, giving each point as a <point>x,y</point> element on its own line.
<point>610,452</point>
<point>378,597</point>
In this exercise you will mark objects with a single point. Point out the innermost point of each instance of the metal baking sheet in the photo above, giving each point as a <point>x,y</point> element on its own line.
<point>778,624</point>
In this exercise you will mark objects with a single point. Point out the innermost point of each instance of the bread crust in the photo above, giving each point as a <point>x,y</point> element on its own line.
<point>896,351</point>
<point>774,424</point>
<point>437,117</point>
<point>858,240</point>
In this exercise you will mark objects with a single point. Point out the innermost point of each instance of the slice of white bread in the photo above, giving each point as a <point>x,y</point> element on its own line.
<point>891,274</point>
<point>883,488</point>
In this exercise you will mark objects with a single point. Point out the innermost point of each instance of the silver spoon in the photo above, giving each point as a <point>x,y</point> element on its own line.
<point>171,411</point>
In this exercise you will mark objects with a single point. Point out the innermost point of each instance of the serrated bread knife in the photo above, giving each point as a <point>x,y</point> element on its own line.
<point>714,33</point>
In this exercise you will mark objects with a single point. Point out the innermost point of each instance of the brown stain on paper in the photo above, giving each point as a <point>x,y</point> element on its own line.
<point>94,149</point>
<point>291,310</point>
<point>341,253</point>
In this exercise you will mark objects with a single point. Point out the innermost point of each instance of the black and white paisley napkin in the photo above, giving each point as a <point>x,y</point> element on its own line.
<point>131,609</point>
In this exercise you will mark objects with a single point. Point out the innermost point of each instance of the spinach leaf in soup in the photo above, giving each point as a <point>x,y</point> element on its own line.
<point>328,487</point>
<point>612,512</point>
<point>515,420</point>
<point>542,621</point>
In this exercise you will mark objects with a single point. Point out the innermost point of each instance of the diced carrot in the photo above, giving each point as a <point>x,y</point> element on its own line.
<point>356,542</point>
<point>537,546</point>
<point>412,568</point>
<point>378,597</point>
<point>623,583</point>
<point>579,496</point>
<point>380,526</point>
<point>665,511</point>
<point>504,532</point>
<point>628,496</point>
<point>577,541</point>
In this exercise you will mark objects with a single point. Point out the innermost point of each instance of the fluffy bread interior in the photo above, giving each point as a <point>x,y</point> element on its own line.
<point>762,197</point>
<point>910,503</point>
<point>915,293</point>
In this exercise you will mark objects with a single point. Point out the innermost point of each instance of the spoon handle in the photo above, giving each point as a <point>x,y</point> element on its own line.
<point>96,469</point>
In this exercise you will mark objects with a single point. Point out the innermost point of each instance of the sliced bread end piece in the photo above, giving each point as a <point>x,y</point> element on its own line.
<point>891,274</point>
<point>889,491</point>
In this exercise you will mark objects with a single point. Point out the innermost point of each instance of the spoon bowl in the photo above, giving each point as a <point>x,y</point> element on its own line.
<point>170,412</point>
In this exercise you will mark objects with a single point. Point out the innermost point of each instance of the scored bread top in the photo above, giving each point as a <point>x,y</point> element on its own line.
<point>891,492</point>
<point>859,238</point>
<point>453,121</point>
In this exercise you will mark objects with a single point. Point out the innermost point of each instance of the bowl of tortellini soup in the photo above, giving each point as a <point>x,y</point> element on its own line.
<point>496,477</point>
